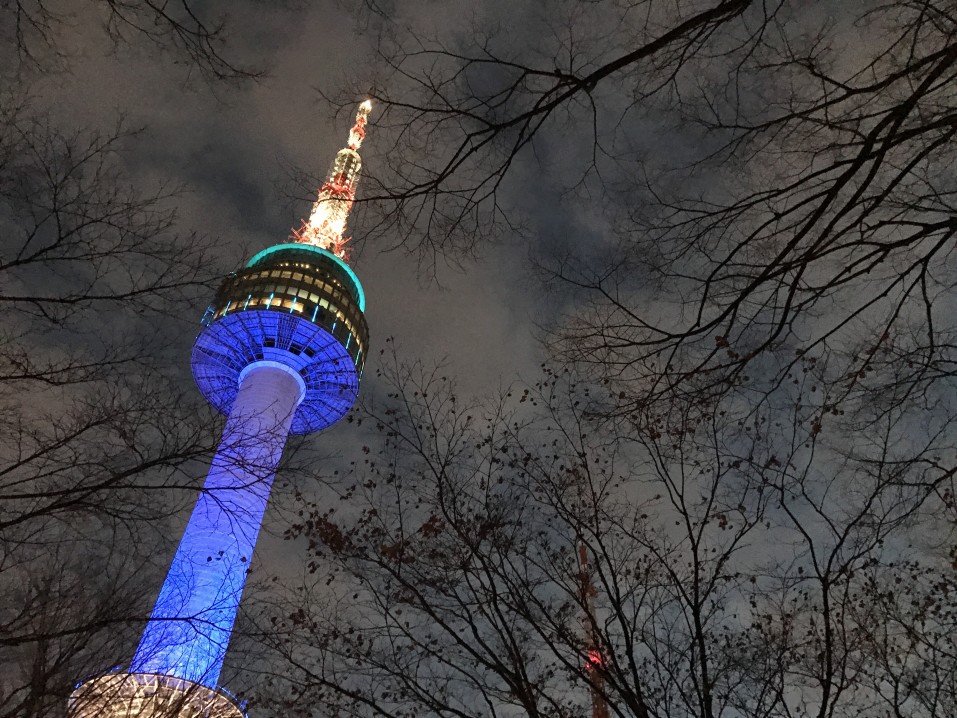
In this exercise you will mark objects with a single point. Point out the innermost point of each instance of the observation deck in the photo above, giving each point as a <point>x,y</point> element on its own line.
<point>294,304</point>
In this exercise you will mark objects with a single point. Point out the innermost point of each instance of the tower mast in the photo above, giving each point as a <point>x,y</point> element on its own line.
<point>281,352</point>
<point>595,658</point>
<point>327,221</point>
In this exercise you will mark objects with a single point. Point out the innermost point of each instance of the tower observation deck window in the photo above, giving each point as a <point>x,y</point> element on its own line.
<point>305,282</point>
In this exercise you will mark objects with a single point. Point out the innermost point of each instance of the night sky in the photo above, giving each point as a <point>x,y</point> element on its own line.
<point>594,190</point>
<point>233,153</point>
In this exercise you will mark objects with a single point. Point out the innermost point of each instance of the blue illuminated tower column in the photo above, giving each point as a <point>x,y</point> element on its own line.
<point>281,352</point>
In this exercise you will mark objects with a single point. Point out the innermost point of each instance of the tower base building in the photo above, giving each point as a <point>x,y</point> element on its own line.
<point>150,695</point>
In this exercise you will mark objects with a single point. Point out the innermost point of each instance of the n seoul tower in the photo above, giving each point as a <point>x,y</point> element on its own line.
<point>281,352</point>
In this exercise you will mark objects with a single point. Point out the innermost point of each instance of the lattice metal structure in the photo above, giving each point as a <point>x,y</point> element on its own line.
<point>282,351</point>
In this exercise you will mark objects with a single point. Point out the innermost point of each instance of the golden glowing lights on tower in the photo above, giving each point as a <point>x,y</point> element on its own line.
<point>327,221</point>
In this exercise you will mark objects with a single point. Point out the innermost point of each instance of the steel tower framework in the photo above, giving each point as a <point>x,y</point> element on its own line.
<point>281,352</point>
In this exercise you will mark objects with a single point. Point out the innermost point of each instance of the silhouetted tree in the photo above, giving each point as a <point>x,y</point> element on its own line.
<point>746,175</point>
<point>745,562</point>
<point>36,33</point>
<point>747,415</point>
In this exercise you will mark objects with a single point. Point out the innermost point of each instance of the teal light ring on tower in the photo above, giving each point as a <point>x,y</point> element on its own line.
<point>263,257</point>
<point>282,351</point>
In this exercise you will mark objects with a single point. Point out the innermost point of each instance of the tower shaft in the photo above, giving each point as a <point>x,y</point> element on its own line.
<point>189,628</point>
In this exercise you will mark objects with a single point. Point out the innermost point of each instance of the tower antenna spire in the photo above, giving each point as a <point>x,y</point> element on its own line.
<point>327,221</point>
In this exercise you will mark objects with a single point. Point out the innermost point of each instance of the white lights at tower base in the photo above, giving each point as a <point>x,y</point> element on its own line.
<point>147,695</point>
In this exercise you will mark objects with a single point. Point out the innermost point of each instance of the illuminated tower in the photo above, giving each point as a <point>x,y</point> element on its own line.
<point>281,352</point>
